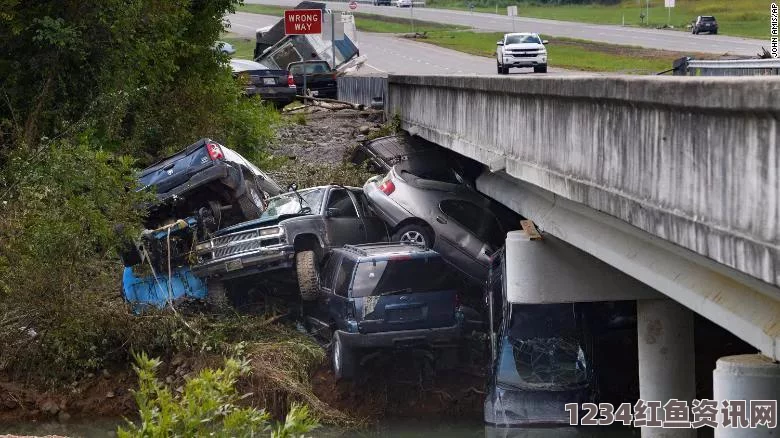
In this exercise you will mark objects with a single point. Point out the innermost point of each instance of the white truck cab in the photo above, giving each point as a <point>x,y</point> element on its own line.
<point>521,50</point>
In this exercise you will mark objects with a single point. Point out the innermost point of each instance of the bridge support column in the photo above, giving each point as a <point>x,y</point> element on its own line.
<point>746,377</point>
<point>666,359</point>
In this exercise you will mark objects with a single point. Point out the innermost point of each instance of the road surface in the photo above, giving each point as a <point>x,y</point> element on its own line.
<point>633,36</point>
<point>389,54</point>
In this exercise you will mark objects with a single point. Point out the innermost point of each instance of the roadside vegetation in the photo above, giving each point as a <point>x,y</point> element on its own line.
<point>568,53</point>
<point>748,18</point>
<point>91,93</point>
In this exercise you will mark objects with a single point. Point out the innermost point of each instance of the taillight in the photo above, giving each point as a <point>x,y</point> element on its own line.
<point>215,152</point>
<point>290,81</point>
<point>334,76</point>
<point>387,187</point>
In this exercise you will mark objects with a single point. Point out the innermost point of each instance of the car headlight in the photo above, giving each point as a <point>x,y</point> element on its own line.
<point>271,231</point>
<point>203,246</point>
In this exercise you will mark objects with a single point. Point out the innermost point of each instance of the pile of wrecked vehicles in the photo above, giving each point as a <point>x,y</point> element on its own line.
<point>413,259</point>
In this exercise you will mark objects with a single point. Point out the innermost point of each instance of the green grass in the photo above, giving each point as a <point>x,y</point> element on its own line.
<point>566,53</point>
<point>749,18</point>
<point>245,47</point>
<point>366,22</point>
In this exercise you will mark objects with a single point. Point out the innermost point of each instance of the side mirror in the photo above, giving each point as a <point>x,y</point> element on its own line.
<point>499,43</point>
<point>332,212</point>
<point>545,42</point>
<point>292,187</point>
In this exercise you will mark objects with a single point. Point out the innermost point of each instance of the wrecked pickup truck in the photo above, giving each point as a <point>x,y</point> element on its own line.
<point>206,174</point>
<point>294,232</point>
<point>199,190</point>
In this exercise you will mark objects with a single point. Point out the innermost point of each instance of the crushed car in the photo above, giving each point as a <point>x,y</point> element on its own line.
<point>199,190</point>
<point>296,231</point>
<point>272,85</point>
<point>382,296</point>
<point>429,203</point>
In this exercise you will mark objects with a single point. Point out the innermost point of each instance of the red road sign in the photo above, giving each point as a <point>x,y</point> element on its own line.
<point>353,5</point>
<point>302,21</point>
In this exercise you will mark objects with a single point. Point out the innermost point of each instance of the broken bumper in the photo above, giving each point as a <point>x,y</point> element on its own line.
<point>510,407</point>
<point>248,263</point>
<point>401,338</point>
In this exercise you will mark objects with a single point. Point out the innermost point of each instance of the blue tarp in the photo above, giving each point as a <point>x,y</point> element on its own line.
<point>146,291</point>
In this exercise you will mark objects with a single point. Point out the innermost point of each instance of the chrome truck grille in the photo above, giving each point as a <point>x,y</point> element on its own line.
<point>240,242</point>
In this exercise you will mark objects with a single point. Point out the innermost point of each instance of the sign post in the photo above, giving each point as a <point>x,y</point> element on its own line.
<point>333,33</point>
<point>303,22</point>
<point>512,12</point>
<point>669,5</point>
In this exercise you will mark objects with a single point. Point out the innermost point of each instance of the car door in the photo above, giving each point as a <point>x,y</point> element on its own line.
<point>342,223</point>
<point>339,303</point>
<point>472,233</point>
<point>327,277</point>
<point>375,228</point>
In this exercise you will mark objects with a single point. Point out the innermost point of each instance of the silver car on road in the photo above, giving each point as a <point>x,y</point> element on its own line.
<point>436,208</point>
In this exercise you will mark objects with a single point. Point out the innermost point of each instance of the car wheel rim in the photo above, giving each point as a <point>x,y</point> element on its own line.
<point>413,237</point>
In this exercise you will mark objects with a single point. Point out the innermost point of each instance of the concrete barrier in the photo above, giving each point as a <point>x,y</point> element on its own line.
<point>694,161</point>
<point>362,89</point>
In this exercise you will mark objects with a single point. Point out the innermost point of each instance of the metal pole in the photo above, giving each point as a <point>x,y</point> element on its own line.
<point>333,37</point>
<point>648,12</point>
<point>669,17</point>
<point>304,79</point>
<point>411,14</point>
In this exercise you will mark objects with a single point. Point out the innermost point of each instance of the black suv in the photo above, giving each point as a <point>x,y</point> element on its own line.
<point>385,295</point>
<point>704,23</point>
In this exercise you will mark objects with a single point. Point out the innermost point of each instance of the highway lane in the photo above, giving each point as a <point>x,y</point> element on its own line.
<point>389,54</point>
<point>651,38</point>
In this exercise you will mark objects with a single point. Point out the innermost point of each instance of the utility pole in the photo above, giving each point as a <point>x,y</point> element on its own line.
<point>333,38</point>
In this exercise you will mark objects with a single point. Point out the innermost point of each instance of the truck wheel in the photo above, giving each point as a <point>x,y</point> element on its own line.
<point>216,294</point>
<point>250,201</point>
<point>308,275</point>
<point>540,68</point>
<point>414,233</point>
<point>499,68</point>
<point>343,359</point>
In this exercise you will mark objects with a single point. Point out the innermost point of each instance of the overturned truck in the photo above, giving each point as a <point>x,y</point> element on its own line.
<point>276,50</point>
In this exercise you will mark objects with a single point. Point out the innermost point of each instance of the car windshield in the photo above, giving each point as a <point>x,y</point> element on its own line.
<point>289,203</point>
<point>707,18</point>
<point>415,275</point>
<point>522,39</point>
<point>543,349</point>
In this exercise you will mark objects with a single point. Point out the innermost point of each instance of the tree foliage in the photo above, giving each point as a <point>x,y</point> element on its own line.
<point>90,91</point>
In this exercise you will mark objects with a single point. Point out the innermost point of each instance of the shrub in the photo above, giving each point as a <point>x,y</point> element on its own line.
<point>207,406</point>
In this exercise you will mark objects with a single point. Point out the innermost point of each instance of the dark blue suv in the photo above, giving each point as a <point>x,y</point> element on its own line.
<point>385,295</point>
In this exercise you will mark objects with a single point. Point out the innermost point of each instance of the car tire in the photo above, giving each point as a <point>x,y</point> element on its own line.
<point>308,275</point>
<point>500,69</point>
<point>250,201</point>
<point>714,32</point>
<point>216,294</point>
<point>540,68</point>
<point>343,359</point>
<point>415,233</point>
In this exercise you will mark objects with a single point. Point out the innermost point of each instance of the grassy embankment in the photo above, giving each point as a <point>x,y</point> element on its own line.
<point>747,18</point>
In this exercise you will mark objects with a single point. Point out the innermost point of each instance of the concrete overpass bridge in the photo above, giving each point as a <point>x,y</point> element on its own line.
<point>673,181</point>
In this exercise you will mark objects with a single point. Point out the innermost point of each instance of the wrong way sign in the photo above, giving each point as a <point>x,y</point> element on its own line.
<point>302,21</point>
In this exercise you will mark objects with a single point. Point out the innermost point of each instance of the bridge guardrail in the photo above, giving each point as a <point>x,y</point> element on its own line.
<point>729,67</point>
<point>362,89</point>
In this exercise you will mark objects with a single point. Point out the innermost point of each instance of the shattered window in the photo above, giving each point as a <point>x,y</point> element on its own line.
<point>543,349</point>
<point>290,203</point>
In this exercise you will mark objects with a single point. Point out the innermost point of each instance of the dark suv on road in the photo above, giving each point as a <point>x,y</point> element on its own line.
<point>385,295</point>
<point>704,23</point>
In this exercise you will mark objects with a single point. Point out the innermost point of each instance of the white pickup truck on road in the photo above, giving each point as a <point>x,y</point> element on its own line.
<point>521,50</point>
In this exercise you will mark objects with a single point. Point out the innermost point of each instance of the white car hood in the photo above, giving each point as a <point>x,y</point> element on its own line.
<point>524,46</point>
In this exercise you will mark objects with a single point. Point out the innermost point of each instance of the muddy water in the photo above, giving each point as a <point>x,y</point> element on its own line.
<point>397,429</point>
